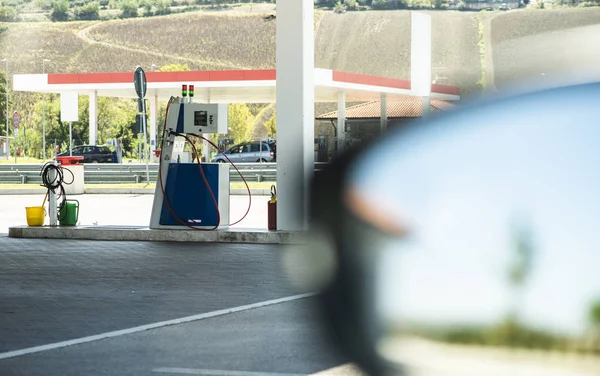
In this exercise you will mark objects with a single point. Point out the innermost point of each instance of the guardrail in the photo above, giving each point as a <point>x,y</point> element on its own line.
<point>97,173</point>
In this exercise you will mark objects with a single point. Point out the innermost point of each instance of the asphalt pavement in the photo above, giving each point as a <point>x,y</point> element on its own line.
<point>213,309</point>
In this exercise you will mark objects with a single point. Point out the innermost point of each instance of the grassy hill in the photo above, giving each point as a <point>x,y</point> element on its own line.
<point>372,42</point>
<point>379,43</point>
<point>364,42</point>
<point>469,49</point>
<point>553,45</point>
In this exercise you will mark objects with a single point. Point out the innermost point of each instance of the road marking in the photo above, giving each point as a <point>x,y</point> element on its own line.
<point>216,372</point>
<point>136,329</point>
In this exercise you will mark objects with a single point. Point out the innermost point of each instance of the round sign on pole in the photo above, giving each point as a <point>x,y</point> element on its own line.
<point>16,119</point>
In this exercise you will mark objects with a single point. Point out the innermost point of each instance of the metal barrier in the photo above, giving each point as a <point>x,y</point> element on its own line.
<point>97,173</point>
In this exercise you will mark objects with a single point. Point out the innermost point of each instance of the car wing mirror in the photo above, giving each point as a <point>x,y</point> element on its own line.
<point>459,238</point>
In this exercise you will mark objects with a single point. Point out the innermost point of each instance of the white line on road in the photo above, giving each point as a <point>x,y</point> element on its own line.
<point>182,320</point>
<point>216,372</point>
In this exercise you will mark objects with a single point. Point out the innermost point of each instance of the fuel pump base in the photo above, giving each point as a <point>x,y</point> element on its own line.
<point>187,200</point>
<point>187,196</point>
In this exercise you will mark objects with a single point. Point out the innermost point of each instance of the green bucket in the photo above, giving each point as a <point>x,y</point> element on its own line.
<point>68,214</point>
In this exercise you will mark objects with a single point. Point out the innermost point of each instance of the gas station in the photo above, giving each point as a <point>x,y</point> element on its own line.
<point>294,86</point>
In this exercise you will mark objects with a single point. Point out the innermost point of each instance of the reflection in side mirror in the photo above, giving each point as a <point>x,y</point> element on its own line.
<point>492,214</point>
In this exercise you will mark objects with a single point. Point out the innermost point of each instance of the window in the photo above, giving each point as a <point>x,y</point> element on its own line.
<point>105,149</point>
<point>235,149</point>
<point>255,148</point>
<point>89,150</point>
<point>247,148</point>
<point>78,149</point>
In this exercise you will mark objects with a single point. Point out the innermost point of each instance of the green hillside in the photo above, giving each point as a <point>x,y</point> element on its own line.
<point>472,50</point>
<point>364,42</point>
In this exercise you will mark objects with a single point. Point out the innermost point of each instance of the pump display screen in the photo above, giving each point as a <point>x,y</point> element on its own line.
<point>201,118</point>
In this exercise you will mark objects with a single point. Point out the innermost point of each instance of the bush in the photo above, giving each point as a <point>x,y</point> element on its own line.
<point>162,7</point>
<point>109,17</point>
<point>8,14</point>
<point>129,8</point>
<point>88,12</point>
<point>60,10</point>
<point>351,4</point>
<point>147,5</point>
<point>380,4</point>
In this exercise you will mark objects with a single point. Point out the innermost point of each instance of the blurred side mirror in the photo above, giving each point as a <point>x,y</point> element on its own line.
<point>466,236</point>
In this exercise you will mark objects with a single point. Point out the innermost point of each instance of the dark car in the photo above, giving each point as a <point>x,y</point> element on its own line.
<point>91,154</point>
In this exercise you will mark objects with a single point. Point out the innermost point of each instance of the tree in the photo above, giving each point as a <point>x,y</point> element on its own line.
<point>351,4</point>
<point>162,7</point>
<point>379,4</point>
<point>240,122</point>
<point>147,5</point>
<point>520,269</point>
<point>60,10</point>
<point>129,8</point>
<point>88,12</point>
<point>594,316</point>
<point>271,125</point>
<point>3,103</point>
<point>595,313</point>
<point>8,14</point>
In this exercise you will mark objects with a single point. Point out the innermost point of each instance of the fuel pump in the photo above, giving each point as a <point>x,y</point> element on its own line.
<point>190,194</point>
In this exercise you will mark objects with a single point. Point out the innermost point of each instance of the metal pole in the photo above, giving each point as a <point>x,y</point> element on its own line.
<point>145,145</point>
<point>44,114</point>
<point>70,139</point>
<point>6,92</point>
<point>44,127</point>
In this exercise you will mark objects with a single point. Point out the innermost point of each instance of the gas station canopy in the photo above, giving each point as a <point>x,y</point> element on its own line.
<point>229,86</point>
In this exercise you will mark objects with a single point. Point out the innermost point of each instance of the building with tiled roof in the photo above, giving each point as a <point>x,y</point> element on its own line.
<point>363,121</point>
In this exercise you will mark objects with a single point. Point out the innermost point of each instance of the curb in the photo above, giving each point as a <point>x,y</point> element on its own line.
<point>114,233</point>
<point>22,191</point>
<point>125,191</point>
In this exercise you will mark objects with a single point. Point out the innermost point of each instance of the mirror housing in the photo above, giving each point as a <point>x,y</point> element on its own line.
<point>532,126</point>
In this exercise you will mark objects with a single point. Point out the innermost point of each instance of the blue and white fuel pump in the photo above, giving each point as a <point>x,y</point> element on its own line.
<point>190,194</point>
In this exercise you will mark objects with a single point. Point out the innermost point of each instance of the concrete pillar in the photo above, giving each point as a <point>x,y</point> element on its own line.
<point>153,102</point>
<point>383,115</point>
<point>420,58</point>
<point>426,106</point>
<point>341,122</point>
<point>93,117</point>
<point>295,111</point>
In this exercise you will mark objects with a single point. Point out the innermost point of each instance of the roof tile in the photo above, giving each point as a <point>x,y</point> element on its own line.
<point>405,108</point>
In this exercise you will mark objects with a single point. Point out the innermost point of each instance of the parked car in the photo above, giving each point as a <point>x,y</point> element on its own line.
<point>91,154</point>
<point>249,152</point>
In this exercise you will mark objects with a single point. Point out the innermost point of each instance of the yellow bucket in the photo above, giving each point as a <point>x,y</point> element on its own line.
<point>35,215</point>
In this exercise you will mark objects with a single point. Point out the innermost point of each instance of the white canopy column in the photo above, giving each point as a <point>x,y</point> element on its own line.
<point>341,122</point>
<point>93,112</point>
<point>420,56</point>
<point>295,111</point>
<point>383,113</point>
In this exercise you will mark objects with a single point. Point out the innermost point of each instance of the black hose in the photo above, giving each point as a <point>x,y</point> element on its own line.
<point>56,184</point>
